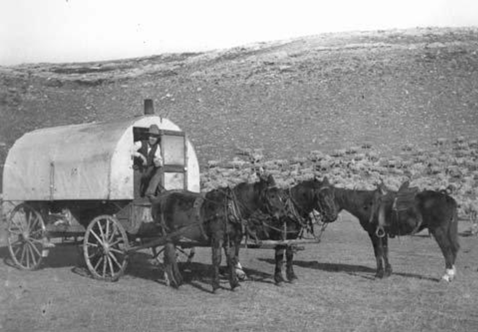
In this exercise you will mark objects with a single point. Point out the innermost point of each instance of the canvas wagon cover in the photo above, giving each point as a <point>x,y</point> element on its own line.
<point>82,162</point>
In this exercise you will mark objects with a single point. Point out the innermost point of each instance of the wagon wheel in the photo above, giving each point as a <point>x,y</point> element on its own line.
<point>26,231</point>
<point>104,248</point>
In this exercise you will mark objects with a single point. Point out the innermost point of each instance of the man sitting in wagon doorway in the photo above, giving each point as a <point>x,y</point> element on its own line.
<point>149,153</point>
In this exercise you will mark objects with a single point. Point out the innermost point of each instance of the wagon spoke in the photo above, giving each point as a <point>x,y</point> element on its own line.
<point>37,233</point>
<point>104,265</point>
<point>30,249</point>
<point>110,264</point>
<point>117,251</point>
<point>18,248</point>
<point>32,222</point>
<point>15,231</point>
<point>27,254</point>
<point>35,257</point>
<point>19,224</point>
<point>102,234</point>
<point>90,244</point>
<point>114,232</point>
<point>94,254</point>
<point>17,242</point>
<point>34,247</point>
<point>116,242</point>
<point>96,236</point>
<point>108,229</point>
<point>34,240</point>
<point>22,258</point>
<point>113,257</point>
<point>98,263</point>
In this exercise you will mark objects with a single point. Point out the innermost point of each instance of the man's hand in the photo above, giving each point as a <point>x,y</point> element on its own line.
<point>143,159</point>
<point>158,162</point>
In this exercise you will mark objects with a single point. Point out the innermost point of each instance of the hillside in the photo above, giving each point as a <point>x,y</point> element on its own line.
<point>387,89</point>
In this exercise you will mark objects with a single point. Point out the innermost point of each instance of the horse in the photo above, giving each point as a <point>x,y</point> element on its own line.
<point>247,204</point>
<point>300,201</point>
<point>408,211</point>
<point>363,204</point>
<point>208,220</point>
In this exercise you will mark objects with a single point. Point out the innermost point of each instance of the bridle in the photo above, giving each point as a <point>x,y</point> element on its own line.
<point>265,200</point>
<point>321,205</point>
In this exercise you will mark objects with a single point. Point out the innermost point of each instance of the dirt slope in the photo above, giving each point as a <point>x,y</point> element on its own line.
<point>386,88</point>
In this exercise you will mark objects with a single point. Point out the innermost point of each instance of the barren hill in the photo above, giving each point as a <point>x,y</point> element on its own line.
<point>325,92</point>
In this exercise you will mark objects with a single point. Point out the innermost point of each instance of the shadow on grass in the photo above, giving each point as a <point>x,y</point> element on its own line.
<point>354,270</point>
<point>142,265</point>
<point>198,275</point>
<point>59,256</point>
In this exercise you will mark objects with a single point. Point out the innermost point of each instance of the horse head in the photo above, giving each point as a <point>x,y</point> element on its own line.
<point>271,197</point>
<point>325,199</point>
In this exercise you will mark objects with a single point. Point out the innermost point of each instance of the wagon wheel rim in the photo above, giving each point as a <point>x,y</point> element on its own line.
<point>26,230</point>
<point>104,247</point>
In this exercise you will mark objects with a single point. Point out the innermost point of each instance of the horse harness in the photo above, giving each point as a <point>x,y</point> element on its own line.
<point>293,212</point>
<point>403,200</point>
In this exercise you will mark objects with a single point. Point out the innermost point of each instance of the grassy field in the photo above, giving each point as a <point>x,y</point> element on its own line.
<point>336,291</point>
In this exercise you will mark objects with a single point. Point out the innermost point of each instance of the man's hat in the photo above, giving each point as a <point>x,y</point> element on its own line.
<point>153,130</point>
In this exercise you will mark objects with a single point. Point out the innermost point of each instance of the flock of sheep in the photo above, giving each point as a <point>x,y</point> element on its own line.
<point>451,165</point>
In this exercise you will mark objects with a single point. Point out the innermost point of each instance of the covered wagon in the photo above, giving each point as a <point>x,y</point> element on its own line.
<point>80,182</point>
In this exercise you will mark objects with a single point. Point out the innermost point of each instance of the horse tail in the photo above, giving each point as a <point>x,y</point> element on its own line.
<point>453,225</point>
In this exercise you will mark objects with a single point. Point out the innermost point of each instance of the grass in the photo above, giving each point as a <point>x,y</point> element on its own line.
<point>336,291</point>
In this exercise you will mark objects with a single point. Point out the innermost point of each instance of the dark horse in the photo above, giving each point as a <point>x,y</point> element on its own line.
<point>438,214</point>
<point>300,201</point>
<point>209,220</point>
<point>409,211</point>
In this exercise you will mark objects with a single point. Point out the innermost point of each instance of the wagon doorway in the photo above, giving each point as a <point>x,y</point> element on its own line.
<point>173,146</point>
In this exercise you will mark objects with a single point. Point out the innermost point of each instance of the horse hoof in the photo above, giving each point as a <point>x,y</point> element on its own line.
<point>279,283</point>
<point>293,281</point>
<point>235,287</point>
<point>241,275</point>
<point>447,278</point>
<point>449,274</point>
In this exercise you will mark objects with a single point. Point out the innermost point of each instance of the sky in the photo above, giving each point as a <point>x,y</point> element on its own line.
<point>33,31</point>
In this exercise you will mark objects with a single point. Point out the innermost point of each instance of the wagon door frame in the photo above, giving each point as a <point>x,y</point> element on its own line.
<point>175,160</point>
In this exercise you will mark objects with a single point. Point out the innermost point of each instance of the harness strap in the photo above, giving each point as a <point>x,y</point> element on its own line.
<point>198,202</point>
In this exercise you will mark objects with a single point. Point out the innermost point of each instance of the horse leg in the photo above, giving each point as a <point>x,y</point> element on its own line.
<point>231,265</point>
<point>173,274</point>
<point>279,258</point>
<point>448,250</point>
<point>388,266</point>
<point>216,262</point>
<point>378,251</point>
<point>238,267</point>
<point>289,254</point>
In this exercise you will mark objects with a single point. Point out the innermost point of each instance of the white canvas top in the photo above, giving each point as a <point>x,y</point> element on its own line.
<point>81,162</point>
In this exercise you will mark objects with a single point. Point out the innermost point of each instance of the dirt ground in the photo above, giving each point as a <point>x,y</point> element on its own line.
<point>336,291</point>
